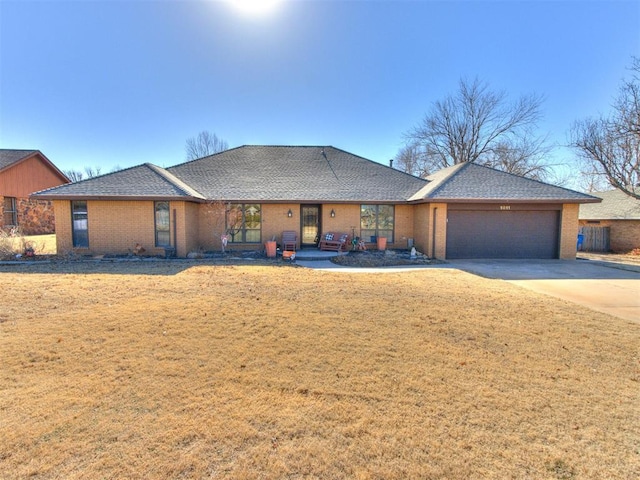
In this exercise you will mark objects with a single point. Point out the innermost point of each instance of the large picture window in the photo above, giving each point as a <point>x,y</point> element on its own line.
<point>244,223</point>
<point>10,216</point>
<point>376,221</point>
<point>163,231</point>
<point>80,224</point>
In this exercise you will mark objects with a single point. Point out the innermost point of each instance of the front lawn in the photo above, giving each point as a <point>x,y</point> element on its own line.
<point>175,370</point>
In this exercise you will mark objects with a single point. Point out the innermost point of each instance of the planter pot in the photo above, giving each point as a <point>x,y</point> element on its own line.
<point>382,243</point>
<point>270,248</point>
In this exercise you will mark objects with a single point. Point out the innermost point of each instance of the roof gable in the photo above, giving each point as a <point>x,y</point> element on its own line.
<point>145,181</point>
<point>11,157</point>
<point>472,182</point>
<point>616,205</point>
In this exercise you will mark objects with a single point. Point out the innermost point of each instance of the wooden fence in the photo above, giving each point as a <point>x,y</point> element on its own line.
<point>595,239</point>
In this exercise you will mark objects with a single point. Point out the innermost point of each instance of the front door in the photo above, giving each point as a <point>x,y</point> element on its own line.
<point>310,215</point>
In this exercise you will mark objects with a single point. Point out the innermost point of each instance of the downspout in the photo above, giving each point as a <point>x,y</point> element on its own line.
<point>433,233</point>
<point>175,233</point>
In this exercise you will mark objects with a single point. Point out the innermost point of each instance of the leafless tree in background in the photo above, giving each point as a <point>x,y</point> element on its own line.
<point>204,144</point>
<point>609,147</point>
<point>77,175</point>
<point>478,125</point>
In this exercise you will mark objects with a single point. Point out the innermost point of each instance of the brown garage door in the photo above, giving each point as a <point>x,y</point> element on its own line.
<point>502,234</point>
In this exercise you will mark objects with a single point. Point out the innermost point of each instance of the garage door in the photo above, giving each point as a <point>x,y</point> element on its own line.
<point>502,234</point>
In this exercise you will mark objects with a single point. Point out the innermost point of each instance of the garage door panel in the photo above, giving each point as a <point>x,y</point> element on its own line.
<point>502,234</point>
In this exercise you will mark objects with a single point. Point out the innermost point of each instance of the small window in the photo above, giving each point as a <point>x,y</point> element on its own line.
<point>376,221</point>
<point>80,224</point>
<point>244,223</point>
<point>163,232</point>
<point>10,216</point>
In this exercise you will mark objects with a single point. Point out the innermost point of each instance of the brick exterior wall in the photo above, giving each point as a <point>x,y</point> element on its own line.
<point>275,220</point>
<point>115,227</point>
<point>624,235</point>
<point>64,243</point>
<point>421,228</point>
<point>34,217</point>
<point>438,238</point>
<point>569,231</point>
<point>430,229</point>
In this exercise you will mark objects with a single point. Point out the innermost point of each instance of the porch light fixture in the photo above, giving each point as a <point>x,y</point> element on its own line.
<point>289,213</point>
<point>333,213</point>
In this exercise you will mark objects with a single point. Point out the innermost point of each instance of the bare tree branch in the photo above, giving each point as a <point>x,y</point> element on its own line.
<point>87,172</point>
<point>204,144</point>
<point>610,146</point>
<point>478,125</point>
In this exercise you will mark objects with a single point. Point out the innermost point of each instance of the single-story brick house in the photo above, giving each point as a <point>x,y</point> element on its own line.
<point>620,214</point>
<point>21,173</point>
<point>254,193</point>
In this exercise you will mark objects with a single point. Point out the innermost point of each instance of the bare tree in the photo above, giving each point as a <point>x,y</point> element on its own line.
<point>480,125</point>
<point>410,159</point>
<point>88,172</point>
<point>527,157</point>
<point>609,146</point>
<point>204,144</point>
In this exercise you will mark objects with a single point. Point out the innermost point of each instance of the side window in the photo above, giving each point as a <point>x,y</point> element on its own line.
<point>10,216</point>
<point>80,224</point>
<point>163,232</point>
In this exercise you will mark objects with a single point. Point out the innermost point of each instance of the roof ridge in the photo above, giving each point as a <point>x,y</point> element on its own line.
<point>175,181</point>
<point>437,184</point>
<point>532,180</point>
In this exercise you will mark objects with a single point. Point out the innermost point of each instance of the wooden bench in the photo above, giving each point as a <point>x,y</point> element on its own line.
<point>334,241</point>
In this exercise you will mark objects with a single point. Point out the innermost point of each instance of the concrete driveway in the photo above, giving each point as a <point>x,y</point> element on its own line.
<point>601,286</point>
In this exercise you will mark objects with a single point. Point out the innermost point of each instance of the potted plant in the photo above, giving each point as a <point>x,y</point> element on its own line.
<point>382,242</point>
<point>270,247</point>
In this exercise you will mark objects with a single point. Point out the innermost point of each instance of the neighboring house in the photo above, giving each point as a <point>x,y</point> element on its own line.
<point>21,173</point>
<point>254,193</point>
<point>620,214</point>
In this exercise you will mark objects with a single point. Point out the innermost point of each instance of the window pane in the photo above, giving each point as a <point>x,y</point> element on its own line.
<point>234,223</point>
<point>163,235</point>
<point>252,216</point>
<point>253,236</point>
<point>244,223</point>
<point>368,217</point>
<point>385,217</point>
<point>9,216</point>
<point>80,224</point>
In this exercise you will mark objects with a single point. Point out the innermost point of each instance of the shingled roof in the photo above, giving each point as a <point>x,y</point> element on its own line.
<point>304,174</point>
<point>9,157</point>
<point>469,182</point>
<point>144,182</point>
<point>310,174</point>
<point>616,205</point>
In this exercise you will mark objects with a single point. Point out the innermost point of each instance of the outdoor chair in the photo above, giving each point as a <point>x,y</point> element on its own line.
<point>289,241</point>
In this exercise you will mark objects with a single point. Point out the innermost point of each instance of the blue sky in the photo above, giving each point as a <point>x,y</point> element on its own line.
<point>122,82</point>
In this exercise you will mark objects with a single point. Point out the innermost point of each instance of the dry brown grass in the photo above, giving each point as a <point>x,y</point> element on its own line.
<point>166,370</point>
<point>12,245</point>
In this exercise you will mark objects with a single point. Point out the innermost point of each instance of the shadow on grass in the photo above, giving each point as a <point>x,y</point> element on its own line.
<point>147,266</point>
